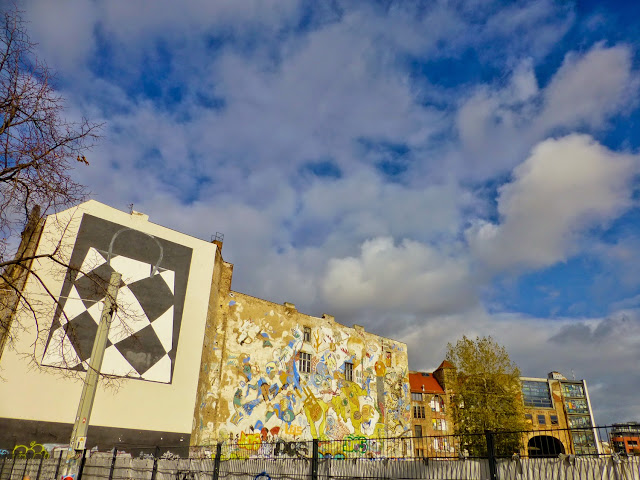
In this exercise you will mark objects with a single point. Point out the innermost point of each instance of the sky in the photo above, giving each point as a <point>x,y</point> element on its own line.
<point>425,169</point>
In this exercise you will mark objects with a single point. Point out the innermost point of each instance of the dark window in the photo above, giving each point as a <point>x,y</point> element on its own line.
<point>418,429</point>
<point>528,417</point>
<point>305,362</point>
<point>416,397</point>
<point>542,420</point>
<point>554,419</point>
<point>388,359</point>
<point>348,371</point>
<point>418,411</point>
<point>307,334</point>
<point>536,394</point>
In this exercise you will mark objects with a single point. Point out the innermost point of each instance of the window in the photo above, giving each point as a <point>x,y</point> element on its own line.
<point>418,411</point>
<point>440,444</point>
<point>418,429</point>
<point>348,371</point>
<point>437,405</point>
<point>439,424</point>
<point>307,334</point>
<point>305,362</point>
<point>419,452</point>
<point>416,397</point>
<point>576,406</point>
<point>577,422</point>
<point>542,420</point>
<point>388,359</point>
<point>536,394</point>
<point>554,419</point>
<point>572,390</point>
<point>528,417</point>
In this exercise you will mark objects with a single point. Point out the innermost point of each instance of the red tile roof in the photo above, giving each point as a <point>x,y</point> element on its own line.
<point>418,379</point>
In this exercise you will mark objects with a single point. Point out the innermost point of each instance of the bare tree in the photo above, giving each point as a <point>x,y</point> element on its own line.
<point>38,149</point>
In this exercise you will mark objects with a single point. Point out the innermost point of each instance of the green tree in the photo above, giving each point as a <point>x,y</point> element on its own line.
<point>487,396</point>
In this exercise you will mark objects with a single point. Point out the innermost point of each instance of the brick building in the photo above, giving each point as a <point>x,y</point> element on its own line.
<point>429,408</point>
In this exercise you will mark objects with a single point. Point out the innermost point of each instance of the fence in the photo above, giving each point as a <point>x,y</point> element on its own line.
<point>539,455</point>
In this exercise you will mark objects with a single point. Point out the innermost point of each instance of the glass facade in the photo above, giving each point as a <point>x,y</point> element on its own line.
<point>536,394</point>
<point>572,390</point>
<point>576,406</point>
<point>579,421</point>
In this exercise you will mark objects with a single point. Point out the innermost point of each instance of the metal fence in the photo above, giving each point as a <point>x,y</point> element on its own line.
<point>540,454</point>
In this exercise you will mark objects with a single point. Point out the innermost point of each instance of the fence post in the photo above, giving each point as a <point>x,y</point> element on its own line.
<point>216,464</point>
<point>26,464</point>
<point>13,464</point>
<point>314,460</point>
<point>55,475</point>
<point>154,471</point>
<point>82,462</point>
<point>113,462</point>
<point>491,454</point>
<point>39,468</point>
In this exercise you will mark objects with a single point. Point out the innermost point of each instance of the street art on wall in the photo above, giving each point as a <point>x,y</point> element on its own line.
<point>144,333</point>
<point>338,383</point>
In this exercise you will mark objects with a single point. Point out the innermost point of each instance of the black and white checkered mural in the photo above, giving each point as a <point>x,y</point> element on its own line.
<point>144,332</point>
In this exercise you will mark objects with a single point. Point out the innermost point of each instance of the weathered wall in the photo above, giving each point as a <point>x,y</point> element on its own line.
<point>160,347</point>
<point>252,389</point>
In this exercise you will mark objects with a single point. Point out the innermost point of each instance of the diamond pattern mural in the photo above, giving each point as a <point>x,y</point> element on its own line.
<point>143,333</point>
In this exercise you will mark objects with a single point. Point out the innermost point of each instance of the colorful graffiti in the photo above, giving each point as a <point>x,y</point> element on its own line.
<point>339,384</point>
<point>34,450</point>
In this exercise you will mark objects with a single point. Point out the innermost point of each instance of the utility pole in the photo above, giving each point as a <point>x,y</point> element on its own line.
<point>81,425</point>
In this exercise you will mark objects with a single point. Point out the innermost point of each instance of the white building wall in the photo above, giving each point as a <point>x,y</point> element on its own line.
<point>45,393</point>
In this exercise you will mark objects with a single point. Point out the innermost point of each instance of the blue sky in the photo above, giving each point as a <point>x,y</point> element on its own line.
<point>424,169</point>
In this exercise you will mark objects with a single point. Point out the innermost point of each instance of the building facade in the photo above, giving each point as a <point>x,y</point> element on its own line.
<point>430,414</point>
<point>190,361</point>
<point>625,438</point>
<point>270,372</point>
<point>559,414</point>
<point>150,361</point>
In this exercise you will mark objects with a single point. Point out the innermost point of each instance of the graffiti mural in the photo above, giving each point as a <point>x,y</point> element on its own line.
<point>294,381</point>
<point>34,450</point>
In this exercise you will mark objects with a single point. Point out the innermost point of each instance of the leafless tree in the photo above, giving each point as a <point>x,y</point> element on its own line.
<point>39,147</point>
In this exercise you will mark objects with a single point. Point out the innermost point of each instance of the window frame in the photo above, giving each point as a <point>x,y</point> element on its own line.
<point>306,334</point>
<point>542,419</point>
<point>348,371</point>
<point>304,362</point>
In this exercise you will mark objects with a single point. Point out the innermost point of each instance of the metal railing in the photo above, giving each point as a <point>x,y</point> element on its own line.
<point>551,453</point>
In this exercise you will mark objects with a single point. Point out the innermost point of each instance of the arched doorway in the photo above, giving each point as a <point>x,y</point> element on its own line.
<point>545,446</point>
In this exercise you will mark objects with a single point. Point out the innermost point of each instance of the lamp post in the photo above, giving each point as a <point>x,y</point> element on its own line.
<point>81,425</point>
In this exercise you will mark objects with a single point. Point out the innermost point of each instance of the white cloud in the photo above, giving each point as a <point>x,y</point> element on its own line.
<point>566,186</point>
<point>588,88</point>
<point>409,277</point>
